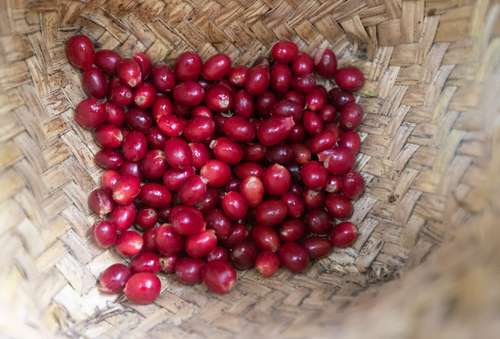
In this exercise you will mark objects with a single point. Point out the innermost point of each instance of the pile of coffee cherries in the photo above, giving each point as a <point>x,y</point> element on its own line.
<point>210,166</point>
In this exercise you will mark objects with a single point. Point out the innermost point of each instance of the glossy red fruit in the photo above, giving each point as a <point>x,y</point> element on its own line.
<point>187,220</point>
<point>314,175</point>
<point>209,201</point>
<point>267,263</point>
<point>338,206</point>
<point>216,67</point>
<point>168,263</point>
<point>114,114</point>
<point>108,136</point>
<point>303,64</point>
<point>316,99</point>
<point>145,262</point>
<point>135,146</point>
<point>349,78</point>
<point>237,235</point>
<point>126,189</point>
<point>304,84</point>
<point>149,238</point>
<point>192,190</point>
<point>107,60</point>
<point>292,230</point>
<point>178,153</point>
<point>237,76</point>
<point>301,153</point>
<point>295,97</point>
<point>274,130</point>
<point>232,185</point>
<point>161,107</point>
<point>264,104</point>
<point>189,93</point>
<point>343,234</point>
<point>114,278</point>
<point>340,161</point>
<point>155,195</point>
<point>318,221</point>
<point>294,203</point>
<point>144,62</point>
<point>297,134</point>
<point>248,169</point>
<point>154,164</point>
<point>188,66</point>
<point>284,51</point>
<point>94,82</point>
<point>219,222</point>
<point>218,253</point>
<point>353,185</point>
<point>350,140</point>
<point>123,216</point>
<point>199,245</point>
<point>351,115</point>
<point>312,123</point>
<point>339,97</point>
<point>234,205</point>
<point>144,95</point>
<point>121,94</point>
<point>173,179</point>
<point>163,78</point>
<point>271,212</point>
<point>281,78</point>
<point>168,241</point>
<point>227,150</point>
<point>171,125</point>
<point>258,79</point>
<point>216,173</point>
<point>243,255</point>
<point>294,257</point>
<point>288,108</point>
<point>142,288</point>
<point>129,243</point>
<point>239,129</point>
<point>146,218</point>
<point>219,98</point>
<point>129,72</point>
<point>323,141</point>
<point>276,180</point>
<point>317,247</point>
<point>328,113</point>
<point>139,120</point>
<point>313,198</point>
<point>201,154</point>
<point>266,238</point>
<point>325,61</point>
<point>109,178</point>
<point>334,184</point>
<point>100,202</point>
<point>90,113</point>
<point>243,104</point>
<point>199,129</point>
<point>188,270</point>
<point>105,233</point>
<point>219,276</point>
<point>80,51</point>
<point>252,189</point>
<point>131,168</point>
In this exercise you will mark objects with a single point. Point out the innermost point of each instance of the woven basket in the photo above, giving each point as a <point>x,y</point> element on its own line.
<point>430,155</point>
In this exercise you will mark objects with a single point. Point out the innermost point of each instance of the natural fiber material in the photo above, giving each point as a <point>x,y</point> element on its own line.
<point>430,138</point>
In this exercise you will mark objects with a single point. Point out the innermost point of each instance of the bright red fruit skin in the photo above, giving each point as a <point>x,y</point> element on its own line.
<point>114,278</point>
<point>343,234</point>
<point>267,263</point>
<point>142,288</point>
<point>219,276</point>
<point>80,51</point>
<point>294,257</point>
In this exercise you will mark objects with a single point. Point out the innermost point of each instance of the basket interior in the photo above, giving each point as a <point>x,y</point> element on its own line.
<point>423,153</point>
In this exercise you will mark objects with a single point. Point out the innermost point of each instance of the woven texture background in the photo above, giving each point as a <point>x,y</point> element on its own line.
<point>429,138</point>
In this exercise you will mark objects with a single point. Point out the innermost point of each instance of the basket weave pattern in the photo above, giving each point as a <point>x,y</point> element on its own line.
<point>425,155</point>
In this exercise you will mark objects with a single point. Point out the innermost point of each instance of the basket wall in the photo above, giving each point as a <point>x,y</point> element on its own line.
<point>432,70</point>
